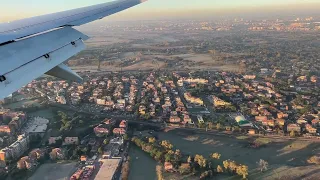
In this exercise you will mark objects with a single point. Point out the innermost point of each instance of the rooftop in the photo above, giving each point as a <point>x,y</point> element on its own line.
<point>107,169</point>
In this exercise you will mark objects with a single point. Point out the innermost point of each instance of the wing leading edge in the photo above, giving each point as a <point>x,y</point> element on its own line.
<point>35,46</point>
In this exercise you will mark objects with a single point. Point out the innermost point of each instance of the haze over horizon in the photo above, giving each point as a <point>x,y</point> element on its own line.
<point>164,9</point>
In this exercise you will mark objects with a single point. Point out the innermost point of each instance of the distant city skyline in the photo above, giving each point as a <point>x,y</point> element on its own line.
<point>18,9</point>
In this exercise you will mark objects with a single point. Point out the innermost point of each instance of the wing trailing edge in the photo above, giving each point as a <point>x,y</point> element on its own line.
<point>34,46</point>
<point>37,56</point>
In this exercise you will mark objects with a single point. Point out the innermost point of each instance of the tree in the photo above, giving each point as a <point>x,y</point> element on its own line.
<point>210,125</point>
<point>189,160</point>
<point>242,170</point>
<point>152,140</point>
<point>158,156</point>
<point>206,174</point>
<point>201,125</point>
<point>126,137</point>
<point>185,168</point>
<point>219,169</point>
<point>100,150</point>
<point>215,156</point>
<point>166,144</point>
<point>200,160</point>
<point>168,157</point>
<point>262,165</point>
<point>233,166</point>
<point>218,126</point>
<point>177,155</point>
<point>84,150</point>
<point>106,141</point>
<point>226,164</point>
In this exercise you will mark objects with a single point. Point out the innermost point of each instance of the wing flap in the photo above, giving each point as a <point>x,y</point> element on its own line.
<point>64,72</point>
<point>20,76</point>
<point>24,51</point>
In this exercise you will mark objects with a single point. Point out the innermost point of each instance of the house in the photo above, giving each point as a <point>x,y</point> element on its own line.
<point>123,124</point>
<point>293,127</point>
<point>193,100</point>
<point>56,153</point>
<point>301,121</point>
<point>186,119</point>
<point>53,140</point>
<point>281,115</point>
<point>24,163</point>
<point>71,140</point>
<point>261,118</point>
<point>280,122</point>
<point>315,122</point>
<point>101,131</point>
<point>174,119</point>
<point>252,132</point>
<point>311,129</point>
<point>313,79</point>
<point>168,166</point>
<point>5,129</point>
<point>83,158</point>
<point>271,123</point>
<point>36,154</point>
<point>120,131</point>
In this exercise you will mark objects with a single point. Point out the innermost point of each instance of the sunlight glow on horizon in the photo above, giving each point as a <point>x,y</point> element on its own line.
<point>17,9</point>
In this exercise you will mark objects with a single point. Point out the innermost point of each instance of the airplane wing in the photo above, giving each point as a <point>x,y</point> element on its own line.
<point>39,45</point>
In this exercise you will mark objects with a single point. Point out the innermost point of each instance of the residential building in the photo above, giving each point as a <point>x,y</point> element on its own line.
<point>53,140</point>
<point>36,154</point>
<point>293,127</point>
<point>5,129</point>
<point>24,163</point>
<point>311,129</point>
<point>193,100</point>
<point>56,154</point>
<point>101,131</point>
<point>174,119</point>
<point>168,166</point>
<point>71,140</point>
<point>120,131</point>
<point>16,149</point>
<point>123,124</point>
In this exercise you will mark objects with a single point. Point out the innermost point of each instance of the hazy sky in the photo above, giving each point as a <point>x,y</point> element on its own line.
<point>17,9</point>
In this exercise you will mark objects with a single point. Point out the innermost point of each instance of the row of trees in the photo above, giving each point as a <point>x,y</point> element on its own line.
<point>219,126</point>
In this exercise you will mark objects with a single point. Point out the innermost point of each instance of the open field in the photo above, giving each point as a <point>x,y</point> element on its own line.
<point>54,171</point>
<point>148,62</point>
<point>282,155</point>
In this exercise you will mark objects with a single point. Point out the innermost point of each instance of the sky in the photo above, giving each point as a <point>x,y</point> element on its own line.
<point>17,9</point>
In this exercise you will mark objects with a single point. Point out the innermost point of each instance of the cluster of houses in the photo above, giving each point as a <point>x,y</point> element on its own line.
<point>108,126</point>
<point>114,93</point>
<point>149,96</point>
<point>32,160</point>
<point>267,106</point>
<point>11,122</point>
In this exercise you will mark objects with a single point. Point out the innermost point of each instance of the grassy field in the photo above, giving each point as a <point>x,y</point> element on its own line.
<point>282,156</point>
<point>54,171</point>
